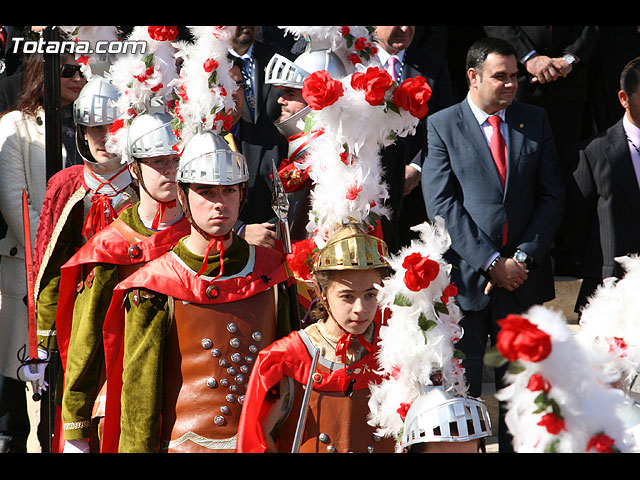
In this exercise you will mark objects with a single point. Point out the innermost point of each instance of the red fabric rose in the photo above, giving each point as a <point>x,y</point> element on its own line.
<point>210,64</point>
<point>353,191</point>
<point>602,443</point>
<point>412,95</point>
<point>300,260</point>
<point>116,125</point>
<point>83,59</point>
<point>450,291</point>
<point>319,90</point>
<point>538,383</point>
<point>518,338</point>
<point>375,82</point>
<point>552,423</point>
<point>162,34</point>
<point>402,411</point>
<point>420,271</point>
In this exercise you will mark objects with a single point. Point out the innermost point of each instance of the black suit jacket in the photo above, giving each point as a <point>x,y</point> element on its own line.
<point>603,204</point>
<point>552,41</point>
<point>461,184</point>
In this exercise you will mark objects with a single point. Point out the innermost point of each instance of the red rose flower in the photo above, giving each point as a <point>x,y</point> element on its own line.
<point>300,260</point>
<point>450,291</point>
<point>355,59</point>
<point>320,90</point>
<point>538,383</point>
<point>412,95</point>
<point>162,34</point>
<point>116,125</point>
<point>353,191</point>
<point>420,271</point>
<point>602,443</point>
<point>552,423</point>
<point>518,338</point>
<point>375,82</point>
<point>83,59</point>
<point>345,30</point>
<point>402,411</point>
<point>210,64</point>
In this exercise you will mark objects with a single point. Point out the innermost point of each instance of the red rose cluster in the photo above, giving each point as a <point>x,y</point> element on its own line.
<point>420,271</point>
<point>412,95</point>
<point>319,90</point>
<point>518,338</point>
<point>162,34</point>
<point>375,82</point>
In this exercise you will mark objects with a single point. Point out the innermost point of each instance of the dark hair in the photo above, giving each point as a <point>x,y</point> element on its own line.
<point>480,50</point>
<point>630,77</point>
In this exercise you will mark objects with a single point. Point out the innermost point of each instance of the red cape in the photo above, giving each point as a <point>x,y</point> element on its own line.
<point>168,276</point>
<point>289,357</point>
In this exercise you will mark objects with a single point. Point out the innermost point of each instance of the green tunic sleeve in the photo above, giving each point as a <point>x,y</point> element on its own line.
<point>85,356</point>
<point>146,316</point>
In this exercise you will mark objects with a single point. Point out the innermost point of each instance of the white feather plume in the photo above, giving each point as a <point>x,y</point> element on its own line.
<point>419,338</point>
<point>92,62</point>
<point>204,87</point>
<point>585,402</point>
<point>610,324</point>
<point>141,77</point>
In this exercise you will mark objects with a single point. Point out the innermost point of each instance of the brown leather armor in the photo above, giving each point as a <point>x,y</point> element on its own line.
<point>331,423</point>
<point>209,353</point>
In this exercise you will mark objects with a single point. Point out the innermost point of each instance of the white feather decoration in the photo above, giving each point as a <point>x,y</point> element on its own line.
<point>141,77</point>
<point>419,338</point>
<point>92,62</point>
<point>610,324</point>
<point>204,87</point>
<point>575,393</point>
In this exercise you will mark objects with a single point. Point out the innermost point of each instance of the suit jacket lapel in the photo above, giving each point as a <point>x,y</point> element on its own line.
<point>470,130</point>
<point>515,140</point>
<point>617,154</point>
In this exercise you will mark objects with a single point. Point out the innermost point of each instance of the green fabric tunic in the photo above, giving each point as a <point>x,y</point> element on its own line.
<point>146,323</point>
<point>85,355</point>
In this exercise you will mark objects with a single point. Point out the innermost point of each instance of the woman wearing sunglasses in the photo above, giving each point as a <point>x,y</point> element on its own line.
<point>23,167</point>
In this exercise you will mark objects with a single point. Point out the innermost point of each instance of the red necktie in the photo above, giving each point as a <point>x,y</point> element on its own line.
<point>499,153</point>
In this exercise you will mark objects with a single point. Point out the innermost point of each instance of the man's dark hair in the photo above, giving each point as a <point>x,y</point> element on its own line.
<point>630,77</point>
<point>480,50</point>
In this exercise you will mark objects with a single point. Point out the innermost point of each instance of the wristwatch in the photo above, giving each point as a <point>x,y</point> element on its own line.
<point>570,59</point>
<point>522,257</point>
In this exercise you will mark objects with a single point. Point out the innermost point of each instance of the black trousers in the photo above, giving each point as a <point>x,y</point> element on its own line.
<point>481,328</point>
<point>14,418</point>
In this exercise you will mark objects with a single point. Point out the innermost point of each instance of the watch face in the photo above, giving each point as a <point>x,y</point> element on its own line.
<point>521,257</point>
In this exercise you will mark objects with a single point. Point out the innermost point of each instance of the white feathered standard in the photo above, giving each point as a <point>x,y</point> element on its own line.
<point>141,77</point>
<point>610,324</point>
<point>556,399</point>
<point>359,115</point>
<point>417,346</point>
<point>204,87</point>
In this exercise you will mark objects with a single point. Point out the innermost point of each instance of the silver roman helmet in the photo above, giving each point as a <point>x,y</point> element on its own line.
<point>208,159</point>
<point>96,105</point>
<point>438,416</point>
<point>150,135</point>
<point>285,73</point>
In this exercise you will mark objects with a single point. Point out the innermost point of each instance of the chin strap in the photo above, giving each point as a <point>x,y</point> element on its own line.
<point>162,206</point>
<point>101,212</point>
<point>341,351</point>
<point>219,244</point>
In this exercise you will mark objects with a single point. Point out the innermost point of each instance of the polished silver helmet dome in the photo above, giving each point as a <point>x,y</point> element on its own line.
<point>97,103</point>
<point>151,135</point>
<point>208,159</point>
<point>438,416</point>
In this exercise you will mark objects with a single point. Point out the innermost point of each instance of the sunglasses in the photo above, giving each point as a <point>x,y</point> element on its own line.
<point>68,70</point>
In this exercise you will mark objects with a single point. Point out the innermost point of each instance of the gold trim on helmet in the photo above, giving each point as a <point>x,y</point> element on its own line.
<point>350,248</point>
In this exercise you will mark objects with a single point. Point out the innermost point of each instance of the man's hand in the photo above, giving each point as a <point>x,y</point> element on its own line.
<point>411,179</point>
<point>546,69</point>
<point>508,274</point>
<point>262,234</point>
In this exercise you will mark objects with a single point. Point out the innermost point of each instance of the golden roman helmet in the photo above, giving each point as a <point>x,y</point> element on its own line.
<point>350,248</point>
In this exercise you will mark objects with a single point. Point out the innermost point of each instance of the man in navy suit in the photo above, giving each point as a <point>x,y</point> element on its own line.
<point>501,228</point>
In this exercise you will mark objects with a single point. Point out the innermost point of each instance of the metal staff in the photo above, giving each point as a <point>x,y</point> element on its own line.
<point>297,439</point>
<point>280,205</point>
<point>31,302</point>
